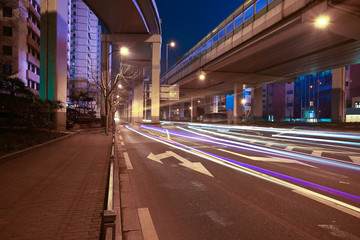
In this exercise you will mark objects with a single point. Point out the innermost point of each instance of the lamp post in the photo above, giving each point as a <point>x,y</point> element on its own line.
<point>171,44</point>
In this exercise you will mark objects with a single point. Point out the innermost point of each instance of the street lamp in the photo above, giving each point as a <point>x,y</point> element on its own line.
<point>171,44</point>
<point>124,51</point>
<point>322,22</point>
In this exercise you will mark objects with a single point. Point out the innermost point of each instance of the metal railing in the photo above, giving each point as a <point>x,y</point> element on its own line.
<point>109,214</point>
<point>239,19</point>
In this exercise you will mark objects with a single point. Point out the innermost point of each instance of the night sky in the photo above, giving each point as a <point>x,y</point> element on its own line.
<point>187,21</point>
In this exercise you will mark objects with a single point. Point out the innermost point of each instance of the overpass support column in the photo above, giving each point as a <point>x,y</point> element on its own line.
<point>338,95</point>
<point>238,107</point>
<point>193,112</point>
<point>207,105</point>
<point>53,58</point>
<point>138,101</point>
<point>155,79</point>
<point>256,103</point>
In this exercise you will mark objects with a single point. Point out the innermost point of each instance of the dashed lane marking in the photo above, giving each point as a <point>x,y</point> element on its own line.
<point>127,161</point>
<point>147,226</point>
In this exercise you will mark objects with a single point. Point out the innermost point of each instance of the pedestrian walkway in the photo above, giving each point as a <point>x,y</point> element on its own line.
<point>56,191</point>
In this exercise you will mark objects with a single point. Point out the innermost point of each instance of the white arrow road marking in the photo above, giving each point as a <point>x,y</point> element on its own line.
<point>289,148</point>
<point>267,159</point>
<point>196,166</point>
<point>355,159</point>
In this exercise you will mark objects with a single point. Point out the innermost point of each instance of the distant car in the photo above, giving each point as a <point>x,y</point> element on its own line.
<point>215,118</point>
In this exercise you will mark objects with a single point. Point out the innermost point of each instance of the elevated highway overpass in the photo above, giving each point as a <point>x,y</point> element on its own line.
<point>271,41</point>
<point>278,43</point>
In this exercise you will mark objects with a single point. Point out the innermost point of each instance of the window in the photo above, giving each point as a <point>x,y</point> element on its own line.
<point>249,13</point>
<point>357,104</point>
<point>7,12</point>
<point>7,69</point>
<point>208,44</point>
<point>260,4</point>
<point>7,50</point>
<point>238,20</point>
<point>194,54</point>
<point>215,38</point>
<point>270,1</point>
<point>7,31</point>
<point>203,47</point>
<point>229,28</point>
<point>198,51</point>
<point>221,33</point>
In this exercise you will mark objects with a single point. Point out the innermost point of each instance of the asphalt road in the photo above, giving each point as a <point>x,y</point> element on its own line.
<point>254,187</point>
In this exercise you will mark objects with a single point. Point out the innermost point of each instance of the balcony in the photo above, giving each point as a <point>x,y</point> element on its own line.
<point>32,76</point>
<point>32,9</point>
<point>32,59</point>
<point>33,43</point>
<point>33,27</point>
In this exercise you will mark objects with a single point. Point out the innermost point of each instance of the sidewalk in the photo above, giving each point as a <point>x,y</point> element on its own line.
<point>56,191</point>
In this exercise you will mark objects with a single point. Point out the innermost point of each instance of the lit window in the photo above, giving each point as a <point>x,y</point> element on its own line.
<point>221,33</point>
<point>229,28</point>
<point>208,44</point>
<point>249,13</point>
<point>7,69</point>
<point>260,4</point>
<point>238,20</point>
<point>357,105</point>
<point>215,38</point>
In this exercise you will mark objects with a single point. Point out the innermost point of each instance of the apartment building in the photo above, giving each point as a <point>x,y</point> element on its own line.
<point>84,54</point>
<point>20,41</point>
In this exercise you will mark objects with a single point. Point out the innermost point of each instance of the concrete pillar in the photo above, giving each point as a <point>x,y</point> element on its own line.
<point>155,80</point>
<point>194,105</point>
<point>182,110</point>
<point>216,104</point>
<point>238,107</point>
<point>138,101</point>
<point>207,105</point>
<point>169,110</point>
<point>338,101</point>
<point>53,58</point>
<point>256,103</point>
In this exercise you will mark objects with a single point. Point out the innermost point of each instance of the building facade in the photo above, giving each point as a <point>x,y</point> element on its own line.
<point>84,55</point>
<point>20,41</point>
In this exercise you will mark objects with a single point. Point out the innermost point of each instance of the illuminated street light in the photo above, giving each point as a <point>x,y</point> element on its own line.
<point>172,44</point>
<point>119,86</point>
<point>124,51</point>
<point>322,22</point>
<point>243,101</point>
<point>202,75</point>
<point>117,96</point>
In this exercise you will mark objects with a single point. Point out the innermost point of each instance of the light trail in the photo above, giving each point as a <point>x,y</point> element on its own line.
<point>354,136</point>
<point>317,140</point>
<point>266,175</point>
<point>277,152</point>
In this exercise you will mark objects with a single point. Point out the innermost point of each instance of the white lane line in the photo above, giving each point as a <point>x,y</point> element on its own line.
<point>328,203</point>
<point>147,226</point>
<point>127,161</point>
<point>120,137</point>
<point>122,143</point>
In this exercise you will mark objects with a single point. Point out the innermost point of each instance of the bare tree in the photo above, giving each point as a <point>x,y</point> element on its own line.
<point>124,75</point>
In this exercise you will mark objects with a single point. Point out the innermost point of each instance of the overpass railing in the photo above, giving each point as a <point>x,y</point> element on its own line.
<point>239,19</point>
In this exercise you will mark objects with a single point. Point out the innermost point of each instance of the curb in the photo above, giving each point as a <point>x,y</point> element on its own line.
<point>35,147</point>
